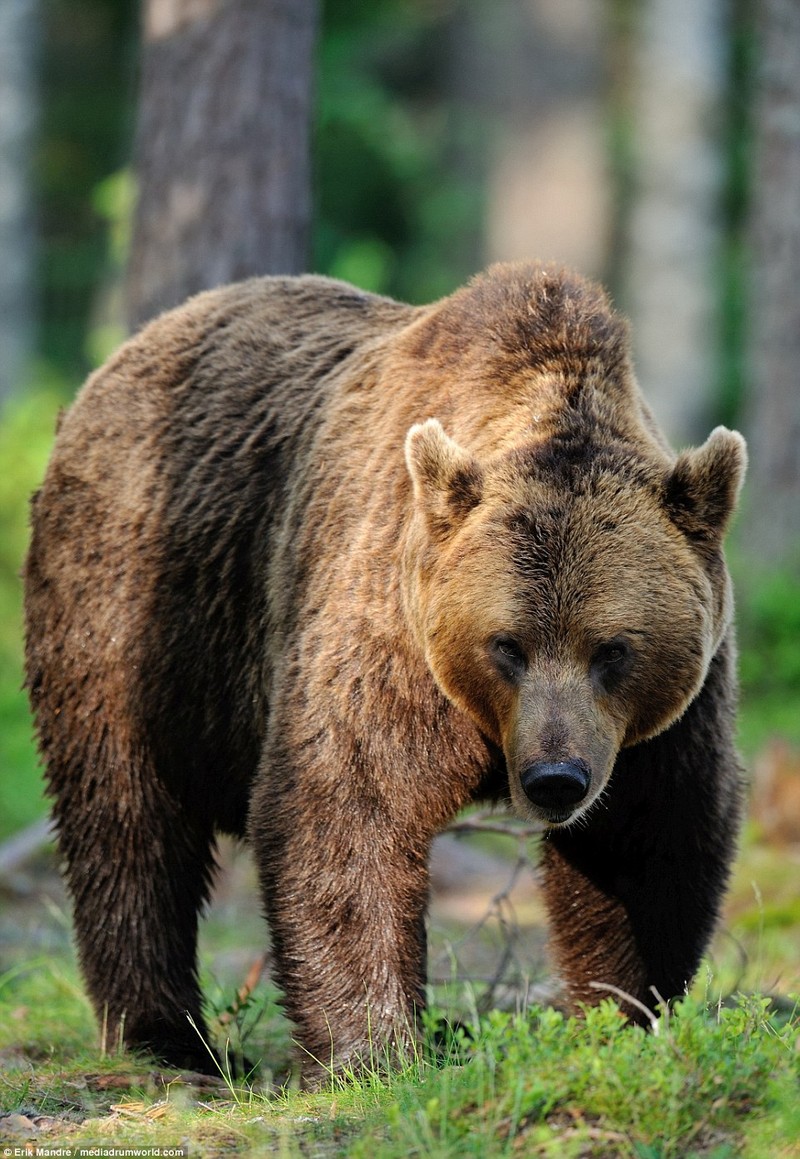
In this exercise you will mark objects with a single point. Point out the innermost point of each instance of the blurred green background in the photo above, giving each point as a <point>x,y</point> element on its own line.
<point>417,147</point>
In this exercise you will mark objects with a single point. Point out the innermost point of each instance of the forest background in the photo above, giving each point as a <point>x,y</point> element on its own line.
<point>631,139</point>
<point>654,144</point>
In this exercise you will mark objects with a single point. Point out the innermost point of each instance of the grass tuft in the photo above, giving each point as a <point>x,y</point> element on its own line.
<point>718,1080</point>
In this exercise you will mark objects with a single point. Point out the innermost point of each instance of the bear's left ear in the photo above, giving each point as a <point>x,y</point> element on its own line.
<point>703,486</point>
<point>448,480</point>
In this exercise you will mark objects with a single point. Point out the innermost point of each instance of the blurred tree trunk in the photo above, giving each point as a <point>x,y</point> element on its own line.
<point>222,156</point>
<point>539,70</point>
<point>773,507</point>
<point>17,109</point>
<point>674,230</point>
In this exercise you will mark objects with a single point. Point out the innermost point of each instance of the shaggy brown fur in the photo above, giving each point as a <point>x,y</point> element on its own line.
<point>320,569</point>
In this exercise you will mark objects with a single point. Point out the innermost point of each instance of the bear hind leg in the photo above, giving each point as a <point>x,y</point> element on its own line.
<point>139,869</point>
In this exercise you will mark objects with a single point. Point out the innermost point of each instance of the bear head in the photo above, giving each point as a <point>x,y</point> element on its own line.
<point>569,594</point>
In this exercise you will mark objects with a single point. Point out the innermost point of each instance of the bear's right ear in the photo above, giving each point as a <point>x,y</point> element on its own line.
<point>448,481</point>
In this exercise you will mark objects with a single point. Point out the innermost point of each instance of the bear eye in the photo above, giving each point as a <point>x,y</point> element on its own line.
<point>611,662</point>
<point>508,656</point>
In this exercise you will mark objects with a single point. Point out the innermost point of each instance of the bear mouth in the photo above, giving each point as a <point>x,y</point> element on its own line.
<point>561,817</point>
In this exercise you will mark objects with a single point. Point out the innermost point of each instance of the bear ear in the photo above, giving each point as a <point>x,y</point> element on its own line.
<point>447,480</point>
<point>702,489</point>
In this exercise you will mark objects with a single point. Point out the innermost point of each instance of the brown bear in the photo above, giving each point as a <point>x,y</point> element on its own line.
<point>320,569</point>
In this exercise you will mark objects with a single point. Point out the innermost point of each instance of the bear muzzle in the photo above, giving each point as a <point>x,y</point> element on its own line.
<point>556,787</point>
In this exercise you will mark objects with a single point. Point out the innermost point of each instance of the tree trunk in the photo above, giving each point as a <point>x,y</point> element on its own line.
<point>674,232</point>
<point>17,104</point>
<point>223,156</point>
<point>540,71</point>
<point>773,501</point>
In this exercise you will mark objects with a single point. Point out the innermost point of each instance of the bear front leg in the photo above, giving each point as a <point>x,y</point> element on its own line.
<point>634,889</point>
<point>345,887</point>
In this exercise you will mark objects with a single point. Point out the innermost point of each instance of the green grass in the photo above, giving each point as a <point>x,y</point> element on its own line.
<point>720,1079</point>
<point>26,435</point>
<point>571,1087</point>
<point>716,1081</point>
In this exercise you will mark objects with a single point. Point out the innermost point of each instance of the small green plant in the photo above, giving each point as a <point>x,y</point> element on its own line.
<point>26,434</point>
<point>769,658</point>
<point>225,1066</point>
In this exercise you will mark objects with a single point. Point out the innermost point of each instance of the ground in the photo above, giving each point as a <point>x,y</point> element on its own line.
<point>57,1088</point>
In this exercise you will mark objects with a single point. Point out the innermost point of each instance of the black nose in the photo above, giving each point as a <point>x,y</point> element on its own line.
<point>556,785</point>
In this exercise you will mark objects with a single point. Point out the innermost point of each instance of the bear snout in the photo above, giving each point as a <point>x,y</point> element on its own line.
<point>556,787</point>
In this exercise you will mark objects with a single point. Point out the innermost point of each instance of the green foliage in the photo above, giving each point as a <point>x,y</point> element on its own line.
<point>399,192</point>
<point>398,180</point>
<point>43,1011</point>
<point>26,434</point>
<point>561,1087</point>
<point>247,1028</point>
<point>88,50</point>
<point>711,1082</point>
<point>769,631</point>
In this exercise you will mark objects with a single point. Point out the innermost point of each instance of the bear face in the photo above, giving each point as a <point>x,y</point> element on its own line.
<point>569,595</point>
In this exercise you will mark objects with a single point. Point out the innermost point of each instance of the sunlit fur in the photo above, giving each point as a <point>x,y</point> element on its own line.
<point>279,533</point>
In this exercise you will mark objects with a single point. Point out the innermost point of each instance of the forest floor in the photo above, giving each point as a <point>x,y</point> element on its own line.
<point>487,954</point>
